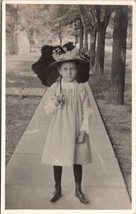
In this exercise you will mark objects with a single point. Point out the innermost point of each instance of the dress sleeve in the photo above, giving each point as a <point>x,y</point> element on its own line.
<point>86,110</point>
<point>50,106</point>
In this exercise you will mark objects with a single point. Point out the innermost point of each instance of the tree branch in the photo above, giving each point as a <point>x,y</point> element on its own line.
<point>93,16</point>
<point>98,14</point>
<point>84,12</point>
<point>108,11</point>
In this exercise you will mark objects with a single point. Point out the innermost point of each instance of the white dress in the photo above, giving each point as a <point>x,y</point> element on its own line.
<point>67,122</point>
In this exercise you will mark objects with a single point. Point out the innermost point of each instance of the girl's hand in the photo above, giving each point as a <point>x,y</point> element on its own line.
<point>81,137</point>
<point>59,100</point>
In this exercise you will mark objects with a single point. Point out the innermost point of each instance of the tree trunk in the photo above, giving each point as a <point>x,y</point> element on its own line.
<point>116,95</point>
<point>92,47</point>
<point>60,38</point>
<point>86,39</point>
<point>81,35</point>
<point>100,48</point>
<point>76,39</point>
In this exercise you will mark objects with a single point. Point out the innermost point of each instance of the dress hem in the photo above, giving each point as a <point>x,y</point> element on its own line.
<point>62,164</point>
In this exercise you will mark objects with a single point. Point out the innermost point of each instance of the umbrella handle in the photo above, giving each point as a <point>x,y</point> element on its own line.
<point>60,85</point>
<point>59,82</point>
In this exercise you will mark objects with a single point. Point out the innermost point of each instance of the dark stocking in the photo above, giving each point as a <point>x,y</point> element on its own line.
<point>57,170</point>
<point>78,179</point>
<point>77,173</point>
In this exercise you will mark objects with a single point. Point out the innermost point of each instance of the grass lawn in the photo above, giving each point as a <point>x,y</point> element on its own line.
<point>117,119</point>
<point>19,112</point>
<point>20,74</point>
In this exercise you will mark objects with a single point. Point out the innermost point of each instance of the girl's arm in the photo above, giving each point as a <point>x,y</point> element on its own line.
<point>86,111</point>
<point>52,103</point>
<point>86,115</point>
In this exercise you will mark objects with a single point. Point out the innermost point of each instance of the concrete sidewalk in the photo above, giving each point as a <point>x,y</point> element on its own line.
<point>29,184</point>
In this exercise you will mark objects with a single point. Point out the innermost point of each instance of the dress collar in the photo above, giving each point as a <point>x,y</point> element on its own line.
<point>68,85</point>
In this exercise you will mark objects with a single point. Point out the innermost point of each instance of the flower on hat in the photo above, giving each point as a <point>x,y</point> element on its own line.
<point>84,55</point>
<point>58,55</point>
<point>64,54</point>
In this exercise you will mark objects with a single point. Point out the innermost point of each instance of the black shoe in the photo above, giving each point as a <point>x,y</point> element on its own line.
<point>56,195</point>
<point>79,194</point>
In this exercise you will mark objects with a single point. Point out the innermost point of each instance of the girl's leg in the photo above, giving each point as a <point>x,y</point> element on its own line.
<point>77,173</point>
<point>78,180</point>
<point>57,170</point>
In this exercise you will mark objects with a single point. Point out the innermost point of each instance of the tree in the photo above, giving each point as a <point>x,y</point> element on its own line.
<point>45,22</point>
<point>81,34</point>
<point>89,23</point>
<point>31,19</point>
<point>116,95</point>
<point>96,18</point>
<point>103,14</point>
<point>11,23</point>
<point>129,34</point>
<point>58,21</point>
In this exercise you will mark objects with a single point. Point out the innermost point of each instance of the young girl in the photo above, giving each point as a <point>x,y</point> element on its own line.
<point>67,142</point>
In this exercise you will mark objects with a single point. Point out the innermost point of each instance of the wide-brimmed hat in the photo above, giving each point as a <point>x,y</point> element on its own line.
<point>64,55</point>
<point>51,55</point>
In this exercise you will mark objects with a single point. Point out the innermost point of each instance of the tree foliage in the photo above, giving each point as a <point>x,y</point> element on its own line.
<point>46,22</point>
<point>31,19</point>
<point>60,20</point>
<point>95,19</point>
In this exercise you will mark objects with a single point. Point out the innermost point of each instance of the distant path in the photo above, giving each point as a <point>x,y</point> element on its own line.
<point>25,91</point>
<point>24,57</point>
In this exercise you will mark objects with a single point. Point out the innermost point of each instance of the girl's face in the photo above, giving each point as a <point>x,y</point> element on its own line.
<point>68,70</point>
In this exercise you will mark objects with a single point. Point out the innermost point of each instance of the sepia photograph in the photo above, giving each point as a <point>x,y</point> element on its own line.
<point>67,92</point>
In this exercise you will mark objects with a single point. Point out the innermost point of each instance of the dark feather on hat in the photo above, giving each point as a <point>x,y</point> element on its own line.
<point>41,67</point>
<point>69,46</point>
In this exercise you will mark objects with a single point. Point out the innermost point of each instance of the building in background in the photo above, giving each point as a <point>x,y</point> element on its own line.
<point>17,41</point>
<point>11,31</point>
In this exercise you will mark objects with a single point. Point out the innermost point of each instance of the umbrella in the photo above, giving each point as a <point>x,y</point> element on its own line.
<point>49,74</point>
